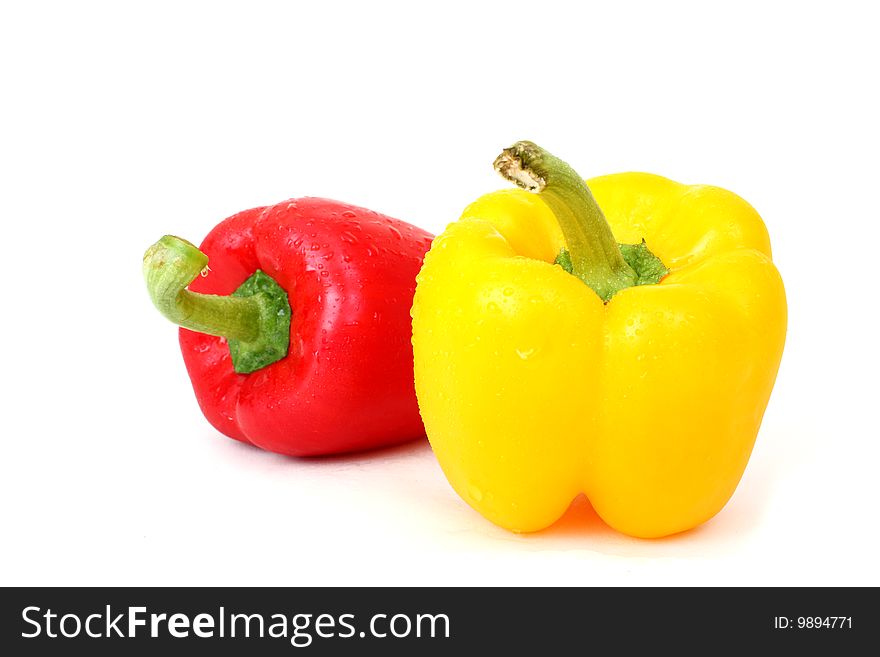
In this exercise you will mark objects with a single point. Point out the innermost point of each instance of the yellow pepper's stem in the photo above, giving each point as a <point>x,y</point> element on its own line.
<point>594,254</point>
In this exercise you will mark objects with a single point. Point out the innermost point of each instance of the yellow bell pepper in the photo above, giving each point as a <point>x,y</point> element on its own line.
<point>550,361</point>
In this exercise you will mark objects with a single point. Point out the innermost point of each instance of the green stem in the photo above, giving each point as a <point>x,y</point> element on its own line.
<point>595,255</point>
<point>255,318</point>
<point>173,263</point>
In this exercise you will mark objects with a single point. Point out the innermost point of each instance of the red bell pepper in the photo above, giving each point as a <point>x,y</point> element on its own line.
<point>298,332</point>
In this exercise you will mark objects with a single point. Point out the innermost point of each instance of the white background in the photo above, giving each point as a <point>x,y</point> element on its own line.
<point>123,122</point>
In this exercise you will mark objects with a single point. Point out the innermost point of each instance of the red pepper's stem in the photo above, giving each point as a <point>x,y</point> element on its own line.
<point>595,255</point>
<point>173,263</point>
<point>255,319</point>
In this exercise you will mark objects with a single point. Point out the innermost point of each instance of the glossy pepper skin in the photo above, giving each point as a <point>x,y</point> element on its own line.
<point>533,390</point>
<point>345,383</point>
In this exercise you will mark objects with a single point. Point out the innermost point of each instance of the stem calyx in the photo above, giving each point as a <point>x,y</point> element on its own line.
<point>255,319</point>
<point>591,252</point>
